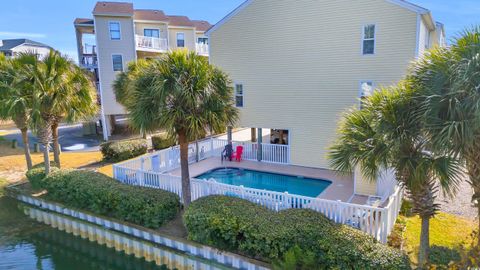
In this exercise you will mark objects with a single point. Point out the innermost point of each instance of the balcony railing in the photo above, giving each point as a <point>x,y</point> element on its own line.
<point>151,43</point>
<point>202,49</point>
<point>89,61</point>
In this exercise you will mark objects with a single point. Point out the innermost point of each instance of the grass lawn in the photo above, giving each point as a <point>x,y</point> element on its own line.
<point>446,230</point>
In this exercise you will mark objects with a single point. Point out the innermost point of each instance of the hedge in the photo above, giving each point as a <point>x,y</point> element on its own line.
<point>116,151</point>
<point>160,142</point>
<point>37,174</point>
<point>241,226</point>
<point>103,195</point>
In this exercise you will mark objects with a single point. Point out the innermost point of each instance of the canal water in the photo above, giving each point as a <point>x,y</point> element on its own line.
<point>28,244</point>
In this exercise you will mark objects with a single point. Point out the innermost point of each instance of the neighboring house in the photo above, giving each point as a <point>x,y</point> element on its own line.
<point>12,47</point>
<point>298,65</point>
<point>124,34</point>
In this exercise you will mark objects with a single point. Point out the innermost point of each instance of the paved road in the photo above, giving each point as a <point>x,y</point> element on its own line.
<point>70,138</point>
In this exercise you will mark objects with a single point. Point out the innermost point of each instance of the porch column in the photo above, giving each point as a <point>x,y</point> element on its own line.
<point>253,135</point>
<point>229,134</point>
<point>259,140</point>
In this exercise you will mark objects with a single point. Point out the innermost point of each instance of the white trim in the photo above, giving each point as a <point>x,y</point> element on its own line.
<point>123,65</point>
<point>150,21</point>
<point>235,94</point>
<point>181,27</point>
<point>134,42</point>
<point>417,43</point>
<point>100,88</point>
<point>229,16</point>
<point>409,6</point>
<point>110,30</point>
<point>176,40</point>
<point>374,39</point>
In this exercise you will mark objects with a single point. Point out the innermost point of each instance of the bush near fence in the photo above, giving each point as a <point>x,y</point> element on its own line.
<point>160,142</point>
<point>241,226</point>
<point>116,151</point>
<point>103,195</point>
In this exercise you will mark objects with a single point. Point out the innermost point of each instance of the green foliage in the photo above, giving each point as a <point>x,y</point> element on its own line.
<point>37,174</point>
<point>160,142</point>
<point>116,151</point>
<point>241,226</point>
<point>103,195</point>
<point>443,256</point>
<point>295,258</point>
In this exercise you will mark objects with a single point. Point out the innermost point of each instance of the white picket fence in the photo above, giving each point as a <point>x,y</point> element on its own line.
<point>376,221</point>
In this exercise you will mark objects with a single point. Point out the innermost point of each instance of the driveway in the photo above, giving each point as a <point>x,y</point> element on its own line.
<point>71,138</point>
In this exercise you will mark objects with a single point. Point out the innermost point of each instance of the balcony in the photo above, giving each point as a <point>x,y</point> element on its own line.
<point>151,44</point>
<point>89,61</point>
<point>202,49</point>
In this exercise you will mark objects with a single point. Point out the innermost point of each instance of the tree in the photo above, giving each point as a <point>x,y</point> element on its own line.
<point>388,133</point>
<point>17,95</point>
<point>65,93</point>
<point>450,79</point>
<point>183,94</point>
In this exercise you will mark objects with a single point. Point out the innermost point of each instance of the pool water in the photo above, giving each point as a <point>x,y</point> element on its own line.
<point>269,181</point>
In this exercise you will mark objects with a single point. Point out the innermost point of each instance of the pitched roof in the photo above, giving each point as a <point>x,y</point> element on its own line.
<point>83,21</point>
<point>113,8</point>
<point>8,44</point>
<point>201,25</point>
<point>180,21</point>
<point>150,15</point>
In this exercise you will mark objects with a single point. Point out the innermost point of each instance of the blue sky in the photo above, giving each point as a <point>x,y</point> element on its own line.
<point>51,21</point>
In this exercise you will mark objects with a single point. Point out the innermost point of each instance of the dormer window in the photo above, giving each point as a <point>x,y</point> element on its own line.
<point>368,41</point>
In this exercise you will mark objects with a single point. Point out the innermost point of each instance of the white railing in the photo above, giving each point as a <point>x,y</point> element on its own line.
<point>89,61</point>
<point>151,43</point>
<point>202,49</point>
<point>375,221</point>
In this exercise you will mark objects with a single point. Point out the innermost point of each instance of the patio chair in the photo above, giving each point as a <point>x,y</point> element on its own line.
<point>227,152</point>
<point>237,155</point>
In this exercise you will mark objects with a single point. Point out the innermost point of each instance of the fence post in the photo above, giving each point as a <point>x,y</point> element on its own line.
<point>212,153</point>
<point>285,200</point>
<point>242,192</point>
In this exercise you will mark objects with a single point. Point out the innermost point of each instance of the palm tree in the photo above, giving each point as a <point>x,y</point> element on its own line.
<point>451,80</point>
<point>17,95</point>
<point>387,133</point>
<point>65,93</point>
<point>183,94</point>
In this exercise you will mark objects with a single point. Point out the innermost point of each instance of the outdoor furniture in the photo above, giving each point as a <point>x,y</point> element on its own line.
<point>227,152</point>
<point>237,155</point>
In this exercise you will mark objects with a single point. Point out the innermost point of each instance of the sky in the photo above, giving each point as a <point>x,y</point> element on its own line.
<point>51,21</point>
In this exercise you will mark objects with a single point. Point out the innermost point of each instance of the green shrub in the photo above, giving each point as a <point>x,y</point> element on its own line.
<point>116,151</point>
<point>443,256</point>
<point>103,195</point>
<point>241,226</point>
<point>160,142</point>
<point>37,174</point>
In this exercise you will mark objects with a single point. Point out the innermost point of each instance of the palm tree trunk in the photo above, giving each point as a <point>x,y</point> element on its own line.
<point>186,194</point>
<point>45,137</point>
<point>46,159</point>
<point>473,171</point>
<point>424,243</point>
<point>26,146</point>
<point>56,145</point>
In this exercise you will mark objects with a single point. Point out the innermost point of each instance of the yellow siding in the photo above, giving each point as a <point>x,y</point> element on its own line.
<point>140,26</point>
<point>300,63</point>
<point>189,37</point>
<point>105,49</point>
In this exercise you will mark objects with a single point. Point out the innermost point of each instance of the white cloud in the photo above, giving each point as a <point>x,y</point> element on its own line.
<point>22,35</point>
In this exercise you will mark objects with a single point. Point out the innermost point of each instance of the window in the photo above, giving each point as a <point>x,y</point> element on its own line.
<point>117,62</point>
<point>180,40</point>
<point>202,40</point>
<point>151,33</point>
<point>368,42</point>
<point>366,90</point>
<point>239,95</point>
<point>114,30</point>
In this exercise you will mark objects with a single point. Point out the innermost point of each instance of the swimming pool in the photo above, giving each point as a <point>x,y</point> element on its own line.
<point>270,181</point>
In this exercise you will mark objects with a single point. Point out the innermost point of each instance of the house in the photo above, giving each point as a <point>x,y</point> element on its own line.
<point>124,34</point>
<point>12,47</point>
<point>298,65</point>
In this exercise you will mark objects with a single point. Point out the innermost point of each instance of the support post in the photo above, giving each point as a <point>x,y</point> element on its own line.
<point>229,134</point>
<point>259,149</point>
<point>253,133</point>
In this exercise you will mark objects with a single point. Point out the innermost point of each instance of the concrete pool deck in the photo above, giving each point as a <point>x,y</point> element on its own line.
<point>340,189</point>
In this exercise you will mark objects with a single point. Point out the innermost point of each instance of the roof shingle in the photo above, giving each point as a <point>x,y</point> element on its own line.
<point>114,8</point>
<point>8,44</point>
<point>150,15</point>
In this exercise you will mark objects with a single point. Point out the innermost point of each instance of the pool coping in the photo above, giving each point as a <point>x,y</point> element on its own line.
<point>179,244</point>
